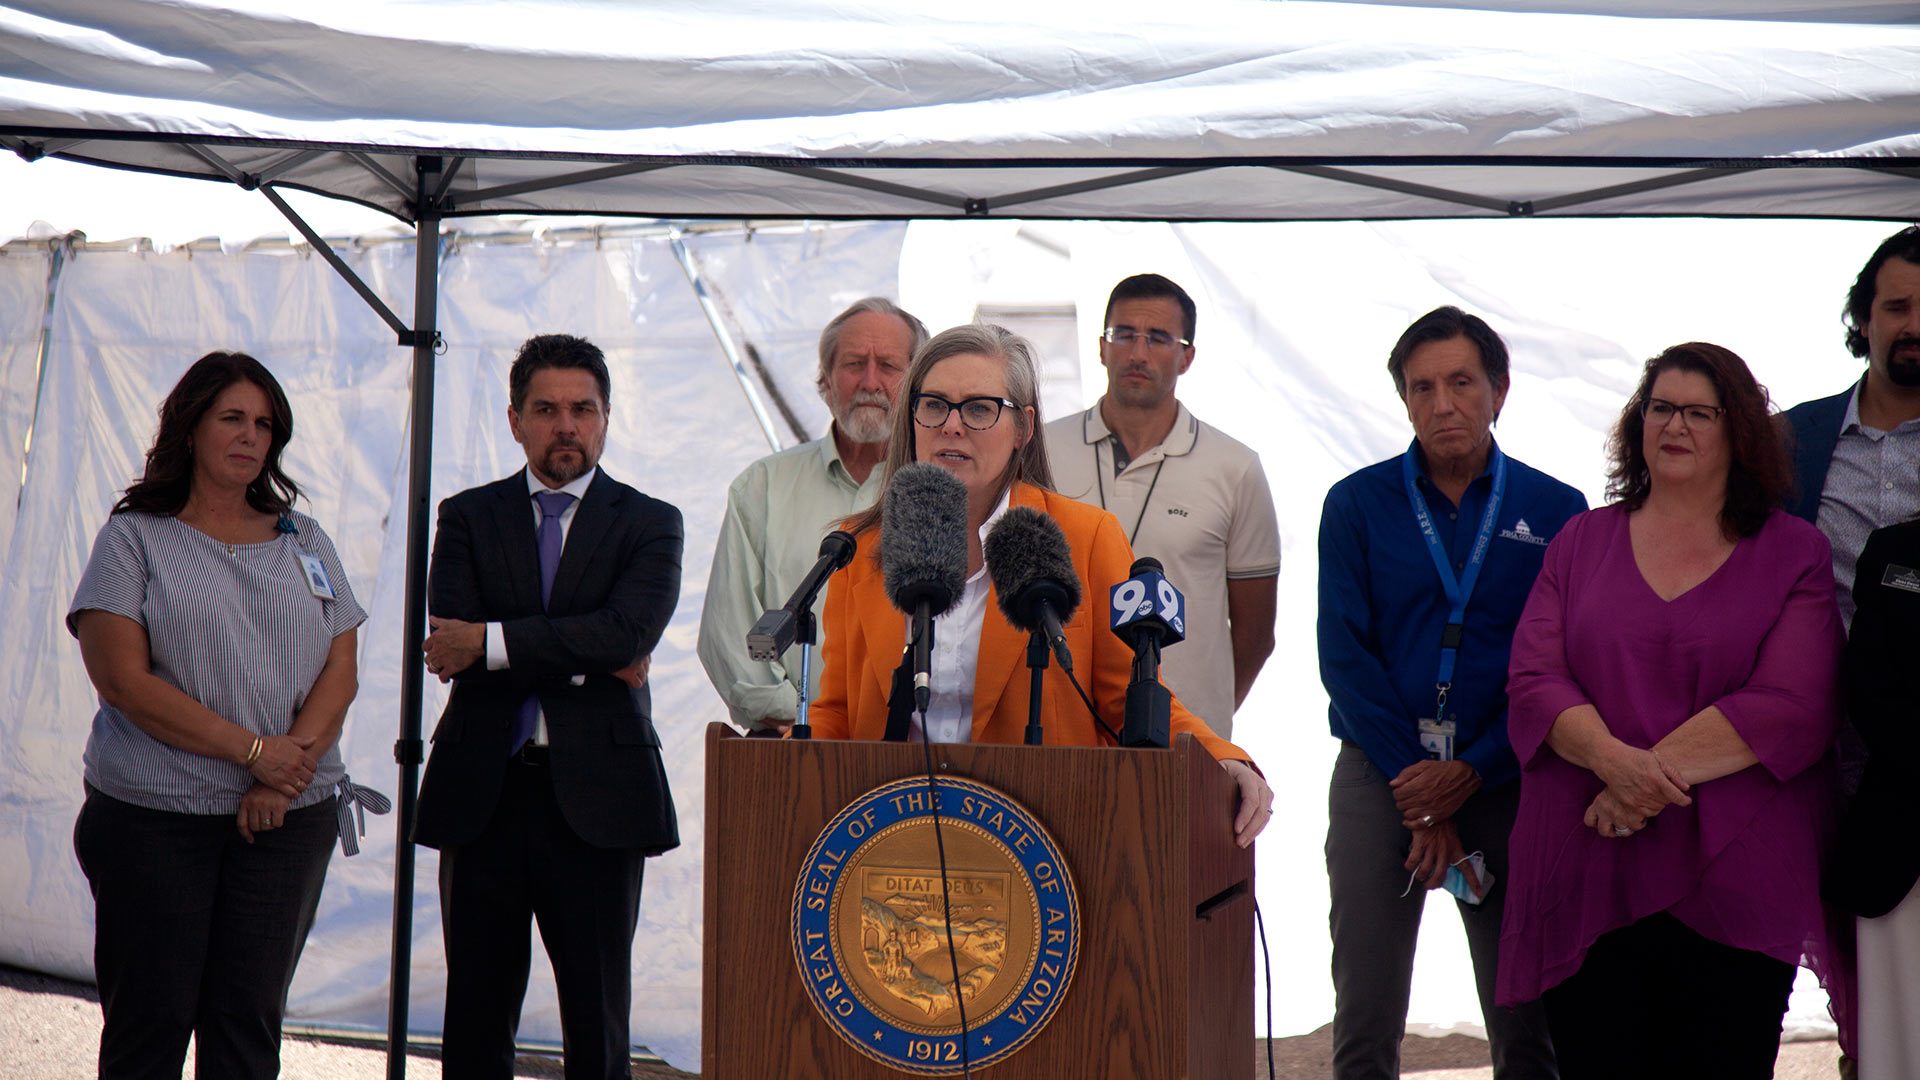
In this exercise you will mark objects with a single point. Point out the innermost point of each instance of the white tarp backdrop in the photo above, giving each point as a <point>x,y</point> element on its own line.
<point>126,323</point>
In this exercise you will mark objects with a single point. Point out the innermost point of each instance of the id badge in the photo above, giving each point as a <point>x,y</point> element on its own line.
<point>1436,738</point>
<point>317,581</point>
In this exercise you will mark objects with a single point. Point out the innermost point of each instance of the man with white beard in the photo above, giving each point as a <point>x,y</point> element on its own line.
<point>780,506</point>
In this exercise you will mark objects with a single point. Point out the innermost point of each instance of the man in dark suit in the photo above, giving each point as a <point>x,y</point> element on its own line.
<point>546,792</point>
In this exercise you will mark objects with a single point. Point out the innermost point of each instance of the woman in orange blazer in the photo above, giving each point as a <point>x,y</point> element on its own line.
<point>969,405</point>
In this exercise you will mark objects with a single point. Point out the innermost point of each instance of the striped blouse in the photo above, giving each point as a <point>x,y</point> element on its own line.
<point>234,627</point>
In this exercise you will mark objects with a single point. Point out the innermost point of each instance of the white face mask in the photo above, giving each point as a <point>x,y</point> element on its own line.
<point>1457,883</point>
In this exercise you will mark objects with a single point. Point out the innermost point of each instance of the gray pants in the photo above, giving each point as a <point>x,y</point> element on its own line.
<point>1375,928</point>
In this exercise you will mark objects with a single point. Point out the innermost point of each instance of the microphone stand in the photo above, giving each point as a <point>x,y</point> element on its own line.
<point>1149,708</point>
<point>922,657</point>
<point>1037,653</point>
<point>803,633</point>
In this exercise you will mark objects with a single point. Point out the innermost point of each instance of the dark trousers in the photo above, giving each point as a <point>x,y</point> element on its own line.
<point>1375,928</point>
<point>529,865</point>
<point>196,933</point>
<point>1654,999</point>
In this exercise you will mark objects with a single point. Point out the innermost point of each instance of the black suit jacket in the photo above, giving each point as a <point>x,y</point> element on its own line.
<point>613,595</point>
<point>1813,429</point>
<point>1876,861</point>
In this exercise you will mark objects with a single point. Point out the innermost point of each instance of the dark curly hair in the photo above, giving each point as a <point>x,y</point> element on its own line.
<point>168,481</point>
<point>1904,244</point>
<point>1758,473</point>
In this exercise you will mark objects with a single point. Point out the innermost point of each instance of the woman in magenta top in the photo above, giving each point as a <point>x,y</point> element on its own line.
<point>1673,695</point>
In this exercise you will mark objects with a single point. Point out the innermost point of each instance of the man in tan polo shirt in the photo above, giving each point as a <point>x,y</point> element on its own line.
<point>1185,493</point>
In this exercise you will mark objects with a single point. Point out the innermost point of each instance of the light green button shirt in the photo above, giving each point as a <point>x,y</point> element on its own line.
<point>777,511</point>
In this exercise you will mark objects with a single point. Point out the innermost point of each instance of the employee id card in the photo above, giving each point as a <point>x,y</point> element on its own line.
<point>315,571</point>
<point>1436,738</point>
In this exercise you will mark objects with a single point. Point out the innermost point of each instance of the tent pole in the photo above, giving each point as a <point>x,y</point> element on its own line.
<point>325,251</point>
<point>727,347</point>
<point>60,251</point>
<point>408,750</point>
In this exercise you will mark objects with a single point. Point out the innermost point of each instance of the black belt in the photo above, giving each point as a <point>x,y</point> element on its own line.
<point>530,754</point>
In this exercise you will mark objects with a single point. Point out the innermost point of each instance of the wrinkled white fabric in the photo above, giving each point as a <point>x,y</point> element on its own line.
<point>1642,92</point>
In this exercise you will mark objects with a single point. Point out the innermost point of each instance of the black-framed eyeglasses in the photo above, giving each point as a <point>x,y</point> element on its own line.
<point>978,413</point>
<point>1660,411</point>
<point>1154,340</point>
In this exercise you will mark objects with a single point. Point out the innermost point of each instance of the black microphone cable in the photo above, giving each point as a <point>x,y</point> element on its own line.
<point>923,562</point>
<point>946,894</point>
<point>1095,713</point>
<point>1266,967</point>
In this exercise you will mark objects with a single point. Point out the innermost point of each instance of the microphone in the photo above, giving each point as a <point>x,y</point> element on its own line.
<point>1148,612</point>
<point>1146,607</point>
<point>1033,576</point>
<point>923,555</point>
<point>776,629</point>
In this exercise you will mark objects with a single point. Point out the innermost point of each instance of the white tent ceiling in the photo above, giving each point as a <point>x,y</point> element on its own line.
<point>1214,109</point>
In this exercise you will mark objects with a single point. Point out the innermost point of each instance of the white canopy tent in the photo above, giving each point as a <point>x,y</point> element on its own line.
<point>1221,111</point>
<point>1215,110</point>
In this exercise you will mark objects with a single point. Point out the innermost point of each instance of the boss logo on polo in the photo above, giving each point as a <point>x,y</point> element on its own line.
<point>870,918</point>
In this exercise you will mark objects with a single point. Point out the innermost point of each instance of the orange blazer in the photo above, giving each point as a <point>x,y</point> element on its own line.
<point>865,636</point>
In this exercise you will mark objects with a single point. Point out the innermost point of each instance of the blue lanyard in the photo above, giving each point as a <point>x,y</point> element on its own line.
<point>1458,590</point>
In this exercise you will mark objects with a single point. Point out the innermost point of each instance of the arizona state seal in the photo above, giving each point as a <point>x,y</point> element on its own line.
<point>870,930</point>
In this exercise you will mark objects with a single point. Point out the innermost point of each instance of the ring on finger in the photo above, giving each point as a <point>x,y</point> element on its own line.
<point>1622,830</point>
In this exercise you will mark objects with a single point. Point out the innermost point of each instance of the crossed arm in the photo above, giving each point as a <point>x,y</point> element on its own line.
<point>617,637</point>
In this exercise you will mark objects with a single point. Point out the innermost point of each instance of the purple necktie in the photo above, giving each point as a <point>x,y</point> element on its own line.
<point>547,539</point>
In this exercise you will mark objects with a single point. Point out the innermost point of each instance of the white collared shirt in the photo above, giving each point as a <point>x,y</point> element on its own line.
<point>496,641</point>
<point>956,652</point>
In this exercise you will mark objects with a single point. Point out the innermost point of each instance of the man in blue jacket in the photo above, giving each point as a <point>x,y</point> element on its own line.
<point>1425,562</point>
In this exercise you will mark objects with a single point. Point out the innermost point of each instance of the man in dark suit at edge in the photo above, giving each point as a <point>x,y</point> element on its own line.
<point>546,792</point>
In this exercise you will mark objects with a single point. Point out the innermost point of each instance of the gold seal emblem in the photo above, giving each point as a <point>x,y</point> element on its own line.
<point>872,913</point>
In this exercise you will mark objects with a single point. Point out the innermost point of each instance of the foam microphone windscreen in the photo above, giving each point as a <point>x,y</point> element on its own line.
<point>1030,563</point>
<point>923,538</point>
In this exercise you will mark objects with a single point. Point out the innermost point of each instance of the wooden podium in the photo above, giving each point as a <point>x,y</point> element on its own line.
<point>1164,986</point>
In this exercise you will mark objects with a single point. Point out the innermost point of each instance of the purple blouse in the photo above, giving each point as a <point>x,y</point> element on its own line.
<point>1761,639</point>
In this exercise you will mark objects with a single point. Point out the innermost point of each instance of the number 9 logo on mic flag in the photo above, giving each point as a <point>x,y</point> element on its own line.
<point>1147,602</point>
<point>1172,608</point>
<point>1126,600</point>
